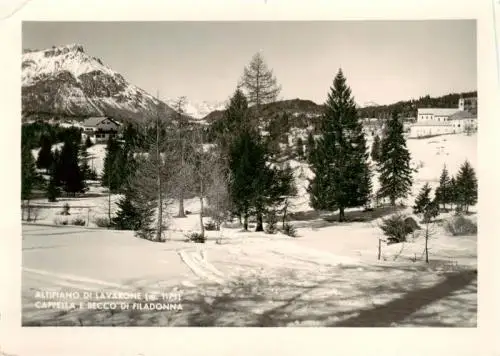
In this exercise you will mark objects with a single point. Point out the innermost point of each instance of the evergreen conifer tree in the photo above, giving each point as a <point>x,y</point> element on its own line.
<point>44,160</point>
<point>71,175</point>
<point>443,192</point>
<point>53,191</point>
<point>283,188</point>
<point>395,172</point>
<point>29,180</point>
<point>234,120</point>
<point>111,175</point>
<point>128,217</point>
<point>84,162</point>
<point>466,187</point>
<point>300,148</point>
<point>340,158</point>
<point>375,151</point>
<point>143,195</point>
<point>453,191</point>
<point>88,142</point>
<point>310,146</point>
<point>29,177</point>
<point>366,186</point>
<point>248,174</point>
<point>131,136</point>
<point>424,205</point>
<point>56,169</point>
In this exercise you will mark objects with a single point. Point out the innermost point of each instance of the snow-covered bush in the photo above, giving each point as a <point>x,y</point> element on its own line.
<point>102,222</point>
<point>65,209</point>
<point>396,228</point>
<point>196,237</point>
<point>78,222</point>
<point>60,221</point>
<point>290,230</point>
<point>460,225</point>
<point>211,226</point>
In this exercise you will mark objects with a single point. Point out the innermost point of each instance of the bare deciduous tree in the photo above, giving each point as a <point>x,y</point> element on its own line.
<point>259,83</point>
<point>183,173</point>
<point>430,230</point>
<point>209,179</point>
<point>153,184</point>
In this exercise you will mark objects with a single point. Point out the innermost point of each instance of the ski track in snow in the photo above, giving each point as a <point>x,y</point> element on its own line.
<point>201,267</point>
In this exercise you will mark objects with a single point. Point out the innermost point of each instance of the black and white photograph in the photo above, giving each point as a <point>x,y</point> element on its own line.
<point>249,173</point>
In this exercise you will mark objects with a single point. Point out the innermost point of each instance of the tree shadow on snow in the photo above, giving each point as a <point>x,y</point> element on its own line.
<point>318,220</point>
<point>402,308</point>
<point>342,298</point>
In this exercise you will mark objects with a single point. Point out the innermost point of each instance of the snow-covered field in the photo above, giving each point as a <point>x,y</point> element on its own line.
<point>327,276</point>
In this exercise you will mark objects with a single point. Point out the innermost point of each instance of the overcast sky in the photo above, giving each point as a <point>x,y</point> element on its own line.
<point>384,61</point>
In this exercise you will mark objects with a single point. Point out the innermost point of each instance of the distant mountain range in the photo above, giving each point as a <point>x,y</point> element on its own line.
<point>199,110</point>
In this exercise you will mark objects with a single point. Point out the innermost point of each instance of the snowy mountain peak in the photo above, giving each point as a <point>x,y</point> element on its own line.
<point>66,81</point>
<point>71,58</point>
<point>369,103</point>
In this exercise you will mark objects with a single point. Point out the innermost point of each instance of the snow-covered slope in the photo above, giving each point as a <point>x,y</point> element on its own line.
<point>66,81</point>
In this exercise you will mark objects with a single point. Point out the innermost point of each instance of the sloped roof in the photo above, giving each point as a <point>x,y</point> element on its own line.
<point>432,123</point>
<point>93,121</point>
<point>437,111</point>
<point>463,115</point>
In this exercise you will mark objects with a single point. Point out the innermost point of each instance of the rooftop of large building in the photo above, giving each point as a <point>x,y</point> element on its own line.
<point>437,111</point>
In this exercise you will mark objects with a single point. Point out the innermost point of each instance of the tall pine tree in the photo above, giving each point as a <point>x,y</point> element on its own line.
<point>111,176</point>
<point>53,191</point>
<point>300,148</point>
<point>375,152</point>
<point>83,157</point>
<point>234,120</point>
<point>248,174</point>
<point>443,192</point>
<point>310,146</point>
<point>71,175</point>
<point>128,216</point>
<point>466,187</point>
<point>453,191</point>
<point>283,189</point>
<point>340,158</point>
<point>424,205</point>
<point>29,176</point>
<point>395,172</point>
<point>45,158</point>
<point>29,180</point>
<point>88,142</point>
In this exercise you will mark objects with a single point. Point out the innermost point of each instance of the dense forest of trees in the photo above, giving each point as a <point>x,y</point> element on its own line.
<point>34,134</point>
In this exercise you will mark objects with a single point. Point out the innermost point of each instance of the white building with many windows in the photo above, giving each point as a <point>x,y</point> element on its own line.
<point>435,114</point>
<point>440,121</point>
